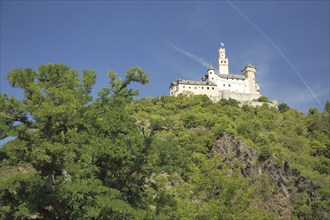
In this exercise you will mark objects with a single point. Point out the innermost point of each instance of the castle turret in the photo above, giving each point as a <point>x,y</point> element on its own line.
<point>211,72</point>
<point>250,72</point>
<point>223,61</point>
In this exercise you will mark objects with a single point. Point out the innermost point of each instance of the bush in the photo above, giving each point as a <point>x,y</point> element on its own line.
<point>229,102</point>
<point>263,99</point>
<point>283,107</point>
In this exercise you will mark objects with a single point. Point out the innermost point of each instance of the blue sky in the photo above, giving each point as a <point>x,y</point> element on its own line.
<point>287,41</point>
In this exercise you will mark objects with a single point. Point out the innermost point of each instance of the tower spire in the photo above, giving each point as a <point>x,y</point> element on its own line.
<point>211,67</point>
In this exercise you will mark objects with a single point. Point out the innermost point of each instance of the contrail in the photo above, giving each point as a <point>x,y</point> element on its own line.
<point>192,56</point>
<point>276,47</point>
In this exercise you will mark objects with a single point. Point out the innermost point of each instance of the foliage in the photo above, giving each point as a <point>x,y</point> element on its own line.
<point>263,99</point>
<point>214,191</point>
<point>86,152</point>
<point>279,135</point>
<point>73,156</point>
<point>283,107</point>
<point>229,102</point>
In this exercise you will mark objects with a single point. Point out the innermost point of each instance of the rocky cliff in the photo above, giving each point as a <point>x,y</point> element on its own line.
<point>279,185</point>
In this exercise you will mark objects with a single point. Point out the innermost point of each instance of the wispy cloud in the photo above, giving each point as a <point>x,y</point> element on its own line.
<point>277,48</point>
<point>198,59</point>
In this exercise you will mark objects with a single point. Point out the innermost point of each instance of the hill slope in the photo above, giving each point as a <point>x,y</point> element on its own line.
<point>283,156</point>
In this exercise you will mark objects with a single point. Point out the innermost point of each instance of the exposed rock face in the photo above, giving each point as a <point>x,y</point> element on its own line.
<point>276,182</point>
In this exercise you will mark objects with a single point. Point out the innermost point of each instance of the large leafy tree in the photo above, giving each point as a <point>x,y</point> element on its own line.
<point>83,151</point>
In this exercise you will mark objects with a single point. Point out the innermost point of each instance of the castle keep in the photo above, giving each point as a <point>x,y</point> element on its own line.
<point>219,84</point>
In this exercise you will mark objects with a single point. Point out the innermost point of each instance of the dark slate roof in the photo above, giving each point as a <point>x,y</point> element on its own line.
<point>192,82</point>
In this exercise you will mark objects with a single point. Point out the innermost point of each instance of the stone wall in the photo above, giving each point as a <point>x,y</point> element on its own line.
<point>240,96</point>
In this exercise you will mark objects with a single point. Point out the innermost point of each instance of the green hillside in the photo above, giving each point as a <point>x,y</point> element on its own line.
<point>185,157</point>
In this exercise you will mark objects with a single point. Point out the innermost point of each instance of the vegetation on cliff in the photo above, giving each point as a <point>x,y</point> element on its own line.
<point>113,157</point>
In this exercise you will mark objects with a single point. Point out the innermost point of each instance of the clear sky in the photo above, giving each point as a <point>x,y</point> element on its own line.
<point>287,41</point>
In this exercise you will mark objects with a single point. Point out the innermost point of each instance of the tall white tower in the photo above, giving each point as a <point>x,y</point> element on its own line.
<point>223,61</point>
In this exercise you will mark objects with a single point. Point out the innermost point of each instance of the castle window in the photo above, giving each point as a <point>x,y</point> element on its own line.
<point>221,61</point>
<point>213,88</point>
<point>202,87</point>
<point>195,87</point>
<point>184,87</point>
<point>189,87</point>
<point>224,85</point>
<point>208,88</point>
<point>229,85</point>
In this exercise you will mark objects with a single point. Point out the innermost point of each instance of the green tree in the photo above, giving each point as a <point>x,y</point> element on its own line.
<point>68,137</point>
<point>263,99</point>
<point>283,107</point>
<point>229,102</point>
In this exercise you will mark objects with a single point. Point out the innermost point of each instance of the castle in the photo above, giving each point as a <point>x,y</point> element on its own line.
<point>219,84</point>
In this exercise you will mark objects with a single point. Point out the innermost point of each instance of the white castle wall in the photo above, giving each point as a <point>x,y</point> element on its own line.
<point>209,90</point>
<point>221,85</point>
<point>240,96</point>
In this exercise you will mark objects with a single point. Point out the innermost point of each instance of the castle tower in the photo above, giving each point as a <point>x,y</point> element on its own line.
<point>210,72</point>
<point>223,61</point>
<point>250,72</point>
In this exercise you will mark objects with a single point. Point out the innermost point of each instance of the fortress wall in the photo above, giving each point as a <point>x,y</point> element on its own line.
<point>209,90</point>
<point>212,92</point>
<point>240,96</point>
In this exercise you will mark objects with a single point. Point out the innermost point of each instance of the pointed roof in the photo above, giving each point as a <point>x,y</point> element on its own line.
<point>211,67</point>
